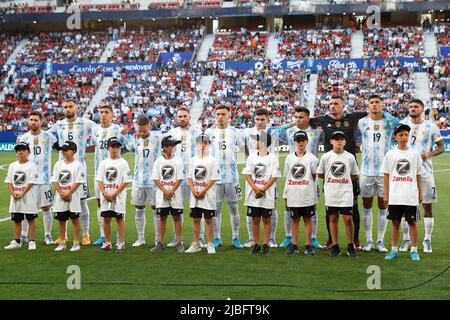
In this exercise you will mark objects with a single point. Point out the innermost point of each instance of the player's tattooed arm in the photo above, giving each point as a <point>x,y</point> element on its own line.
<point>433,153</point>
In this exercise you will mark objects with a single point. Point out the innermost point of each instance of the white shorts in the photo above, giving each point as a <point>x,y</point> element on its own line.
<point>231,191</point>
<point>45,195</point>
<point>371,186</point>
<point>142,196</point>
<point>429,192</point>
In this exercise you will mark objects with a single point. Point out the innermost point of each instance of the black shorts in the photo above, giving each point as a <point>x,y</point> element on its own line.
<point>198,213</point>
<point>345,211</point>
<point>19,217</point>
<point>396,212</point>
<point>305,212</point>
<point>111,214</point>
<point>258,212</point>
<point>66,215</point>
<point>167,211</point>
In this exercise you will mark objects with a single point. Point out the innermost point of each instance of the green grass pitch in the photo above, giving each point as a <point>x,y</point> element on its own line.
<point>231,273</point>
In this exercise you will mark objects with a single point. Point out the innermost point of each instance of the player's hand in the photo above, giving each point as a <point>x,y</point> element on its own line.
<point>124,130</point>
<point>201,194</point>
<point>107,197</point>
<point>386,201</point>
<point>17,196</point>
<point>420,198</point>
<point>426,156</point>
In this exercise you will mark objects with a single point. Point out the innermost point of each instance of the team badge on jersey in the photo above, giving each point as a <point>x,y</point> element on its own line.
<point>260,170</point>
<point>70,126</point>
<point>338,169</point>
<point>65,177</point>
<point>36,141</point>
<point>19,178</point>
<point>298,171</point>
<point>200,173</point>
<point>337,124</point>
<point>403,167</point>
<point>167,172</point>
<point>111,174</point>
<point>346,124</point>
<point>376,127</point>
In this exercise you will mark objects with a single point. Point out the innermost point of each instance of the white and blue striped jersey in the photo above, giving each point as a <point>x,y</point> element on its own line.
<point>314,134</point>
<point>250,143</point>
<point>41,153</point>
<point>376,141</point>
<point>422,138</point>
<point>78,131</point>
<point>187,149</point>
<point>99,138</point>
<point>146,151</point>
<point>225,143</point>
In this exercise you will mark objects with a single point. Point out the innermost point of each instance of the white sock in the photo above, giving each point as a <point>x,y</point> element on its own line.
<point>202,229</point>
<point>405,229</point>
<point>234,219</point>
<point>367,219</point>
<point>100,223</point>
<point>413,249</point>
<point>249,224</point>
<point>287,224</point>
<point>429,224</point>
<point>218,220</point>
<point>314,220</point>
<point>48,219</point>
<point>156,221</point>
<point>84,217</point>
<point>24,228</point>
<point>382,224</point>
<point>140,222</point>
<point>395,249</point>
<point>274,220</point>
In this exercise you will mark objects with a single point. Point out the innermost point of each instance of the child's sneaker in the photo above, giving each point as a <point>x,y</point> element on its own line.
<point>120,247</point>
<point>75,247</point>
<point>158,247</point>
<point>309,251</point>
<point>265,250</point>
<point>210,248</point>
<point>195,247</point>
<point>13,245</point>
<point>61,246</point>
<point>255,249</point>
<point>335,251</point>
<point>32,245</point>
<point>414,256</point>
<point>351,252</point>
<point>106,246</point>
<point>293,249</point>
<point>179,247</point>
<point>391,255</point>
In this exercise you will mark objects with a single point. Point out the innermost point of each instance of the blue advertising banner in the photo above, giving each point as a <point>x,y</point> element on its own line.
<point>317,64</point>
<point>73,68</point>
<point>445,51</point>
<point>175,57</point>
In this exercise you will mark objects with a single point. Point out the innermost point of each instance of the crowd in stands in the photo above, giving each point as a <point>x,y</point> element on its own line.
<point>115,6</point>
<point>315,44</point>
<point>393,42</point>
<point>155,93</point>
<point>145,45</point>
<point>442,34</point>
<point>277,90</point>
<point>21,93</point>
<point>63,47</point>
<point>393,83</point>
<point>244,45</point>
<point>7,44</point>
<point>439,76</point>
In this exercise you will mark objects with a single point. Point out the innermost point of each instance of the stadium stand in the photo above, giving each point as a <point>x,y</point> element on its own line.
<point>442,33</point>
<point>239,46</point>
<point>393,42</point>
<point>315,44</point>
<point>63,47</point>
<point>8,43</point>
<point>394,84</point>
<point>440,91</point>
<point>146,45</point>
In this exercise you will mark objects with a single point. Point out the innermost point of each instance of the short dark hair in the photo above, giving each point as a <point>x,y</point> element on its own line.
<point>36,113</point>
<point>183,108</point>
<point>374,96</point>
<point>417,101</point>
<point>262,112</point>
<point>337,96</point>
<point>302,109</point>
<point>104,105</point>
<point>69,100</point>
<point>222,106</point>
<point>143,121</point>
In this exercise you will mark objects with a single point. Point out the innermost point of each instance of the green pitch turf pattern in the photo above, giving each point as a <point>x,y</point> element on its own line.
<point>231,273</point>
